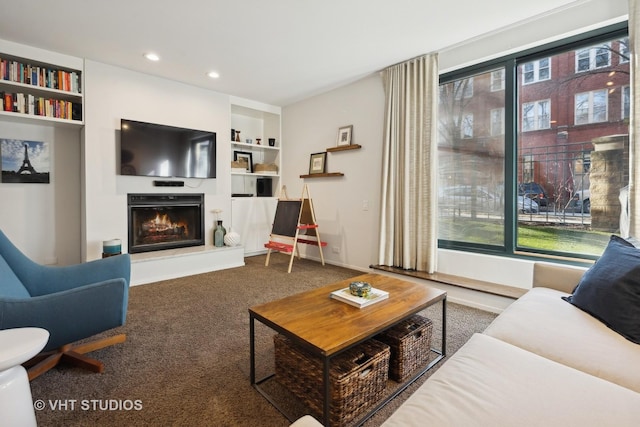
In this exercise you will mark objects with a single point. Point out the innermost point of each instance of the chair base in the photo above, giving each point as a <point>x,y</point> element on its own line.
<point>73,354</point>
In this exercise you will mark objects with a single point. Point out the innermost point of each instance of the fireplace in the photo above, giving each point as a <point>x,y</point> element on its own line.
<point>165,221</point>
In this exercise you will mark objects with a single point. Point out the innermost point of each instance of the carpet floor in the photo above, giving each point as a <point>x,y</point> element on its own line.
<point>186,358</point>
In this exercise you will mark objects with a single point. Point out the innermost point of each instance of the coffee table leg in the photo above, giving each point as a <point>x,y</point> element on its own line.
<point>444,326</point>
<point>252,349</point>
<point>327,391</point>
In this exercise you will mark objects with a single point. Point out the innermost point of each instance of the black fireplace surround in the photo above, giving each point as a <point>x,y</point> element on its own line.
<point>165,221</point>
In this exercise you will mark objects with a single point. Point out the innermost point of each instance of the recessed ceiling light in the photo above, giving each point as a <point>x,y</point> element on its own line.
<point>213,74</point>
<point>152,56</point>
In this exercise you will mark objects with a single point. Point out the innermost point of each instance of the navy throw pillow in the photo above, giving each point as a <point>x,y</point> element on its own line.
<point>610,289</point>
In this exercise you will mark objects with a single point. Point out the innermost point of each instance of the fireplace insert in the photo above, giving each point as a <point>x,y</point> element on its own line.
<point>165,221</point>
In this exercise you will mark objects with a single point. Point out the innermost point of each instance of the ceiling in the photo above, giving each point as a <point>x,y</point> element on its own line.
<point>277,52</point>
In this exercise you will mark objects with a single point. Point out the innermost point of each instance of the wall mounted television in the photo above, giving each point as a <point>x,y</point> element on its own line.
<point>149,149</point>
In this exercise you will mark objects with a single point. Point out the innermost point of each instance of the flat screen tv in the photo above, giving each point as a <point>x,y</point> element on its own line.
<point>148,149</point>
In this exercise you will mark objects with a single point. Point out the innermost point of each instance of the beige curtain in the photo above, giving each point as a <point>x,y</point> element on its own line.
<point>634,125</point>
<point>408,236</point>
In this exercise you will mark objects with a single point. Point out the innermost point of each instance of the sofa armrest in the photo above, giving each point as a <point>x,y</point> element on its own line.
<point>559,277</point>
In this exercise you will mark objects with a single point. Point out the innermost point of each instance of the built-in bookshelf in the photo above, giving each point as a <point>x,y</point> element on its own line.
<point>35,90</point>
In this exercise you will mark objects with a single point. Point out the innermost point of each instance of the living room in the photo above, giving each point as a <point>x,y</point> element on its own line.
<point>85,203</point>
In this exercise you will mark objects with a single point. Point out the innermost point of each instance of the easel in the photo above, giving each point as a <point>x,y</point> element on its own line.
<point>292,217</point>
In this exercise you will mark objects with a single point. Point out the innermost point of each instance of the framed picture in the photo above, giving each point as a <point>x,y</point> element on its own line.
<point>25,161</point>
<point>245,159</point>
<point>344,135</point>
<point>316,163</point>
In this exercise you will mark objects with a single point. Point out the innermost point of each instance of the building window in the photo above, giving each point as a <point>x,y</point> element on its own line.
<point>467,126</point>
<point>626,102</point>
<point>593,57</point>
<point>536,115</point>
<point>536,71</point>
<point>591,107</point>
<point>515,165</point>
<point>623,50</point>
<point>497,121</point>
<point>497,80</point>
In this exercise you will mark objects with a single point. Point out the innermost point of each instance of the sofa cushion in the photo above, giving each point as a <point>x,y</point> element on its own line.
<point>544,324</point>
<point>10,285</point>
<point>491,383</point>
<point>610,289</point>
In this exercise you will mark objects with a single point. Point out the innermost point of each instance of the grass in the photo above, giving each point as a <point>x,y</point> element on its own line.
<point>572,240</point>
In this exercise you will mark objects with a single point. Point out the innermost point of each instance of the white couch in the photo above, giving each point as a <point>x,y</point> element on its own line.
<point>542,362</point>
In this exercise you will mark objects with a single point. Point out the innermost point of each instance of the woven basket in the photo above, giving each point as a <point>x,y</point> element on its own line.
<point>410,342</point>
<point>358,378</point>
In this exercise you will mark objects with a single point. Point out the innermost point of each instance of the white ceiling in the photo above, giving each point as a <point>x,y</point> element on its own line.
<point>277,51</point>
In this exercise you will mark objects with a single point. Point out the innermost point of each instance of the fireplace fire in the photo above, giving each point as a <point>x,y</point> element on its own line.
<point>165,221</point>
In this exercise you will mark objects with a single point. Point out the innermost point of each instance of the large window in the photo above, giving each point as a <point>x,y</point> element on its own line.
<point>521,171</point>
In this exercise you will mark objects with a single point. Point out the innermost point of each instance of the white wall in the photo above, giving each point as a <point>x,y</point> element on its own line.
<point>43,220</point>
<point>310,126</point>
<point>113,93</point>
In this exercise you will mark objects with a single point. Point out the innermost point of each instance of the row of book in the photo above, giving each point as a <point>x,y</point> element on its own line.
<point>40,106</point>
<point>18,72</point>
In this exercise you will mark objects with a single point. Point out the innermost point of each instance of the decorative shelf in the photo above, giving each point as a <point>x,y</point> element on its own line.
<point>322,175</point>
<point>345,147</point>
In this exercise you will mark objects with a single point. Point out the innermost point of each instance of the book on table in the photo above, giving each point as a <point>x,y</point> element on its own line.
<point>374,296</point>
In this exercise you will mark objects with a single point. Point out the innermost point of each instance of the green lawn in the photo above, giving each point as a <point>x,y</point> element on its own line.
<point>544,237</point>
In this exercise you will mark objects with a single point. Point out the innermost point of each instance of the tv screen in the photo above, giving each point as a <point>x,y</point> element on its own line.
<point>148,149</point>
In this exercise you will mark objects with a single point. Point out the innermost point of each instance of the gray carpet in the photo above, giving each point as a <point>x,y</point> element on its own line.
<point>186,358</point>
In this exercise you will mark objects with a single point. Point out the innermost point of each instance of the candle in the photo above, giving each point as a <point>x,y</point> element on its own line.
<point>112,247</point>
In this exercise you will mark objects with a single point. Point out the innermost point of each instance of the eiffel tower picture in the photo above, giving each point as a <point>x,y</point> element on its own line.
<point>26,163</point>
<point>18,166</point>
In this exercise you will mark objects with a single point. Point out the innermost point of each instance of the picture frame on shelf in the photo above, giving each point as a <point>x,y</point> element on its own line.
<point>344,136</point>
<point>317,163</point>
<point>244,158</point>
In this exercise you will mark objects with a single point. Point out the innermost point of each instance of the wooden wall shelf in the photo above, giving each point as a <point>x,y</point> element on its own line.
<point>322,175</point>
<point>344,147</point>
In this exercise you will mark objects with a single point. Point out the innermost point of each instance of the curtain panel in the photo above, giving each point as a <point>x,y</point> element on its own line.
<point>408,236</point>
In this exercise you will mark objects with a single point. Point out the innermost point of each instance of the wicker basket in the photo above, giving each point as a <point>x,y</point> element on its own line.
<point>410,342</point>
<point>358,378</point>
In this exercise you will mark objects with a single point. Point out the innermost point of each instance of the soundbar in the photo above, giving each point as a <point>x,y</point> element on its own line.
<point>158,183</point>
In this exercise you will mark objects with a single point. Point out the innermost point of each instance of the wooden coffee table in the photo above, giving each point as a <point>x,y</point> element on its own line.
<point>327,327</point>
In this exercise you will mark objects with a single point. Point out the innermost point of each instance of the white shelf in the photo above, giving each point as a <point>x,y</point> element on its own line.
<point>27,56</point>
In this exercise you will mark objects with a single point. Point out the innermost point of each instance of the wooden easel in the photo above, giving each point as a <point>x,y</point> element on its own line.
<point>294,222</point>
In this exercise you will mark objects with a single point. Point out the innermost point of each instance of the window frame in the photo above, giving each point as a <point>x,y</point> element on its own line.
<point>510,63</point>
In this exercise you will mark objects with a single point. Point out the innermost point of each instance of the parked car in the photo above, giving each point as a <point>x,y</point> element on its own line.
<point>469,196</point>
<point>581,201</point>
<point>534,191</point>
<point>527,205</point>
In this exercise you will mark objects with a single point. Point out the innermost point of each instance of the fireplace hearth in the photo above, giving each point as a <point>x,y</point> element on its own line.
<point>165,221</point>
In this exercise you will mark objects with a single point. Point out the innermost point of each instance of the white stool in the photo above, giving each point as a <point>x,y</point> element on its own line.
<point>16,347</point>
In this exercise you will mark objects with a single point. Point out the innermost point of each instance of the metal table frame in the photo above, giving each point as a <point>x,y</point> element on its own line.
<point>441,353</point>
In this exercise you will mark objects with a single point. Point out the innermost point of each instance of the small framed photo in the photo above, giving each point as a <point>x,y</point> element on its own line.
<point>317,162</point>
<point>344,135</point>
<point>245,159</point>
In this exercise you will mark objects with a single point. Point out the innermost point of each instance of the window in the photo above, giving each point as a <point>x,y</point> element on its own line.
<point>623,50</point>
<point>497,80</point>
<point>536,115</point>
<point>626,102</point>
<point>515,164</point>
<point>593,57</point>
<point>591,107</point>
<point>536,71</point>
<point>497,121</point>
<point>467,126</point>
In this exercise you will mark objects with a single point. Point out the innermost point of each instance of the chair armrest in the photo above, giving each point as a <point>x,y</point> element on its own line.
<point>70,315</point>
<point>561,278</point>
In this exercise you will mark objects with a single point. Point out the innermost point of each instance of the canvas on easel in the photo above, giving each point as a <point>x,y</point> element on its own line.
<point>294,223</point>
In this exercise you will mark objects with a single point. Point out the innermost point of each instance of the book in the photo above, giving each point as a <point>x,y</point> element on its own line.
<point>375,295</point>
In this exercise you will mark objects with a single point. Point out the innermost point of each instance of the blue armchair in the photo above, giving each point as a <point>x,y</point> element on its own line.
<point>72,303</point>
